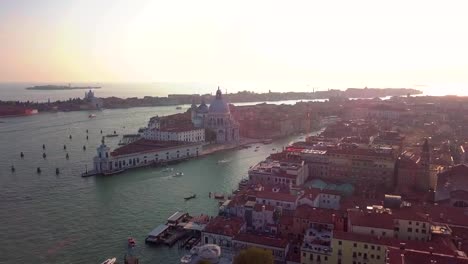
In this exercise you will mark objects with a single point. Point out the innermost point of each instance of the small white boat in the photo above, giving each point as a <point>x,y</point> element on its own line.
<point>168,170</point>
<point>110,261</point>
<point>92,116</point>
<point>223,161</point>
<point>178,174</point>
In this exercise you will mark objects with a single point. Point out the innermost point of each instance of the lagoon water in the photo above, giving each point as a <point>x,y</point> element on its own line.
<point>48,218</point>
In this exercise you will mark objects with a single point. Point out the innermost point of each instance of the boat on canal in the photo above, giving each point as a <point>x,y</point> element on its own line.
<point>190,197</point>
<point>110,261</point>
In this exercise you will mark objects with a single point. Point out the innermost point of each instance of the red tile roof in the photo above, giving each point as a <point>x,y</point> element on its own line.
<point>145,145</point>
<point>368,219</point>
<point>224,226</point>
<point>276,196</point>
<point>262,240</point>
<point>446,214</point>
<point>459,194</point>
<point>397,256</point>
<point>317,215</point>
<point>439,245</point>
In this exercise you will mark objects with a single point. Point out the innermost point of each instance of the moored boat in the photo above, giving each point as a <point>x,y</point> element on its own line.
<point>109,261</point>
<point>106,173</point>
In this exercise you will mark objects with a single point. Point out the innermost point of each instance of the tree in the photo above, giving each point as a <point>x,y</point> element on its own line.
<point>254,256</point>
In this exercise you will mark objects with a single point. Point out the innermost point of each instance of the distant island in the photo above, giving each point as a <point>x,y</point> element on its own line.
<point>61,87</point>
<point>92,102</point>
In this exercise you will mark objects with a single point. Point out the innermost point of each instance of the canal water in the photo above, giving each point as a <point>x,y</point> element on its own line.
<point>49,218</point>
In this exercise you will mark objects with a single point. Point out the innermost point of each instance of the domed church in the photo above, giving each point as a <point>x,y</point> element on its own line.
<point>217,117</point>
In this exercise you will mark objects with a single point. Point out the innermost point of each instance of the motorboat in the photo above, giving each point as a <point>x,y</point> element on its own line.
<point>178,174</point>
<point>190,197</point>
<point>92,116</point>
<point>168,170</point>
<point>110,261</point>
<point>222,161</point>
<point>178,108</point>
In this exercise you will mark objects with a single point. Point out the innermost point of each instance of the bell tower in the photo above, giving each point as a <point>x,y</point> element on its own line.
<point>425,163</point>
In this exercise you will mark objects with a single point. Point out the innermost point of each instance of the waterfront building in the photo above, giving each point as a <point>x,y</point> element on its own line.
<point>221,231</point>
<point>216,118</point>
<point>142,153</point>
<point>280,169</point>
<point>178,127</point>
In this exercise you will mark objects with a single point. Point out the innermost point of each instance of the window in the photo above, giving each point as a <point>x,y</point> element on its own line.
<point>303,254</point>
<point>359,254</point>
<point>354,245</point>
<point>365,246</point>
<point>372,256</point>
<point>378,257</point>
<point>410,229</point>
<point>423,231</point>
<point>384,233</point>
<point>378,248</point>
<point>311,257</point>
<point>372,247</point>
<point>416,230</point>
<point>417,223</point>
<point>340,242</point>
<point>372,231</point>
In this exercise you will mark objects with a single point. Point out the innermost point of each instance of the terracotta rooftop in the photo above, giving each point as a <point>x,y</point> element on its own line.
<point>397,256</point>
<point>446,214</point>
<point>438,245</point>
<point>145,145</point>
<point>224,226</point>
<point>359,152</point>
<point>277,196</point>
<point>459,194</point>
<point>262,240</point>
<point>317,215</point>
<point>369,219</point>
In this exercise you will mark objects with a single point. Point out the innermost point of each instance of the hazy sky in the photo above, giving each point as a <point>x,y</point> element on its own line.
<point>320,43</point>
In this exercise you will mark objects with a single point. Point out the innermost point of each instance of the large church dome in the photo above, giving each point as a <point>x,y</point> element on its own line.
<point>218,105</point>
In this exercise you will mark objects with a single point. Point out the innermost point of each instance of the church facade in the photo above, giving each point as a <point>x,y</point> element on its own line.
<point>217,118</point>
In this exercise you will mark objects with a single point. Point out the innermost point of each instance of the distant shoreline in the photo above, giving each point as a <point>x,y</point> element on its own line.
<point>61,87</point>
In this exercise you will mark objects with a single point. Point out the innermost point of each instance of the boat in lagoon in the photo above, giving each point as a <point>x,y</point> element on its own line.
<point>110,261</point>
<point>178,174</point>
<point>168,170</point>
<point>190,197</point>
<point>92,116</point>
<point>107,173</point>
<point>223,161</point>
